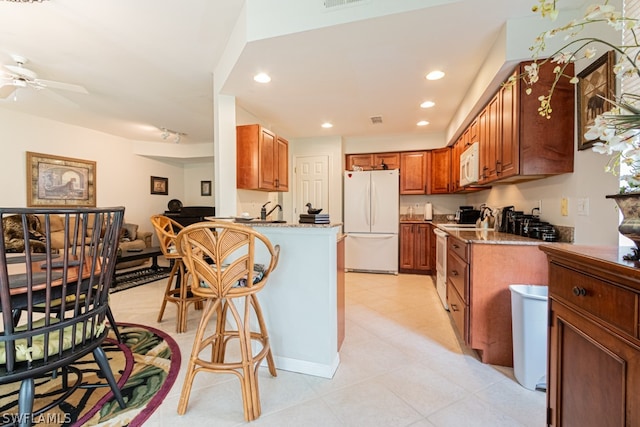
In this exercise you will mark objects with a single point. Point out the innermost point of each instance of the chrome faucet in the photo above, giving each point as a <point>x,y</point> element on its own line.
<point>274,208</point>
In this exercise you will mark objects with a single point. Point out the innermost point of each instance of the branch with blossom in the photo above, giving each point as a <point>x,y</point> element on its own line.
<point>618,130</point>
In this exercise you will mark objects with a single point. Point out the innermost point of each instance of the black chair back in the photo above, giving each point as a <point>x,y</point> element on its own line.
<point>54,302</point>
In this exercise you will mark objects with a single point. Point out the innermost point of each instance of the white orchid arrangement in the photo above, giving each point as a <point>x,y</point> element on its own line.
<point>617,130</point>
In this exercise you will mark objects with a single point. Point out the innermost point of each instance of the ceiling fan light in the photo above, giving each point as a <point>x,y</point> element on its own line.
<point>19,83</point>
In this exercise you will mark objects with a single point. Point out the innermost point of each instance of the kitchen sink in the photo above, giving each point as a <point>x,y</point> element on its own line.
<point>266,221</point>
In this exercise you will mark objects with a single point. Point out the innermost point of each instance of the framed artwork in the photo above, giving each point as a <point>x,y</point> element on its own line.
<point>54,181</point>
<point>205,188</point>
<point>159,185</point>
<point>595,83</point>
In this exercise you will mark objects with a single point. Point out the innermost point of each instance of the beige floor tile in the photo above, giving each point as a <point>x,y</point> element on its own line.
<point>402,364</point>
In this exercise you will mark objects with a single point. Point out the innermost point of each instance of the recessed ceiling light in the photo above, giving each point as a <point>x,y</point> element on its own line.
<point>262,78</point>
<point>327,125</point>
<point>427,104</point>
<point>435,75</point>
<point>422,123</point>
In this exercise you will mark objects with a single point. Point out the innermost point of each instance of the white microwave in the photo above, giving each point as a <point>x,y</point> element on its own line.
<point>470,165</point>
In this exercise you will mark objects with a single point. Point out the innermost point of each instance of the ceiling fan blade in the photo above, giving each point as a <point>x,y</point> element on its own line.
<point>21,71</point>
<point>63,86</point>
<point>6,89</point>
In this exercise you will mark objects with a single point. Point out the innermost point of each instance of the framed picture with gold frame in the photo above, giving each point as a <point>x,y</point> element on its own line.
<point>596,82</point>
<point>54,181</point>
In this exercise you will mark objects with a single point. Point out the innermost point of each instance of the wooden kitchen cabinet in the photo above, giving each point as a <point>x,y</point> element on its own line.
<point>478,279</point>
<point>262,159</point>
<point>416,248</point>
<point>372,161</point>
<point>365,161</point>
<point>413,172</point>
<point>517,143</point>
<point>390,160</point>
<point>594,338</point>
<point>440,171</point>
<point>458,285</point>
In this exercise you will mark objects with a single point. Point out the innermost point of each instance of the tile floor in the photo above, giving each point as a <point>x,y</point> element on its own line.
<point>401,365</point>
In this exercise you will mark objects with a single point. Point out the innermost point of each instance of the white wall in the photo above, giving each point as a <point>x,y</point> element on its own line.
<point>194,173</point>
<point>122,178</point>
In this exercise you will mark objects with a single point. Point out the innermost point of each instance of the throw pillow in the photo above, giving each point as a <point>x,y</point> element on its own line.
<point>131,231</point>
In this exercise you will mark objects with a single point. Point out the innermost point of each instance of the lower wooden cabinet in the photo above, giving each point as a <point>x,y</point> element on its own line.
<point>594,345</point>
<point>416,246</point>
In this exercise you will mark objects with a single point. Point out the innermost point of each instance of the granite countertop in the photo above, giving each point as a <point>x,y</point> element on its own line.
<point>489,236</point>
<point>259,223</point>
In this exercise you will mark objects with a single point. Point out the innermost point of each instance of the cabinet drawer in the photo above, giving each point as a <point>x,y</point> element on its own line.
<point>457,274</point>
<point>608,302</point>
<point>458,247</point>
<point>459,311</point>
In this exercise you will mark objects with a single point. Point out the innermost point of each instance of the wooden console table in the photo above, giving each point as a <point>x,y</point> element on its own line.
<point>594,337</point>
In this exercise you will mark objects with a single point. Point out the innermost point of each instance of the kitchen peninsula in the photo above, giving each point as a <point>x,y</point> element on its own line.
<point>303,303</point>
<point>481,264</point>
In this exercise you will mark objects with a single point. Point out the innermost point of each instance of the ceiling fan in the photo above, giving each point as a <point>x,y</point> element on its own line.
<point>17,76</point>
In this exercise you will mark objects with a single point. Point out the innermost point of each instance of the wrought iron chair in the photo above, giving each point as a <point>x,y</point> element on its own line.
<point>178,291</point>
<point>70,285</point>
<point>220,257</point>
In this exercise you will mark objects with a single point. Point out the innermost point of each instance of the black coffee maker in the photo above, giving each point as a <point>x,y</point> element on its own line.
<point>467,215</point>
<point>505,220</point>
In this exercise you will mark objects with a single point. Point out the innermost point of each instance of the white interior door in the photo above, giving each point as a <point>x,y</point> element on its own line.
<point>312,183</point>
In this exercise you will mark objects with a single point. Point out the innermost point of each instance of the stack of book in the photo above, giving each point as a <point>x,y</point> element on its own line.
<point>314,218</point>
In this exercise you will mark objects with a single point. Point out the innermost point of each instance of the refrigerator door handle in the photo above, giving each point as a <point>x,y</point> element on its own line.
<point>367,206</point>
<point>374,203</point>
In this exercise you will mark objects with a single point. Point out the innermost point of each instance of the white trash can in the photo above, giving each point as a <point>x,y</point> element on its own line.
<point>529,327</point>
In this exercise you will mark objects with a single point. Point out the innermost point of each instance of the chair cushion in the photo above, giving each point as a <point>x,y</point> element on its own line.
<point>258,274</point>
<point>36,351</point>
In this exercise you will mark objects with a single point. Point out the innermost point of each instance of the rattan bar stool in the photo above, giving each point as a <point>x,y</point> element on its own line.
<point>178,291</point>
<point>220,256</point>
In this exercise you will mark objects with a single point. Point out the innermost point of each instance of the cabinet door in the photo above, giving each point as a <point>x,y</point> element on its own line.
<point>413,172</point>
<point>507,155</point>
<point>365,161</point>
<point>390,160</point>
<point>459,312</point>
<point>593,374</point>
<point>407,246</point>
<point>423,247</point>
<point>282,147</point>
<point>440,171</point>
<point>267,153</point>
<point>491,141</point>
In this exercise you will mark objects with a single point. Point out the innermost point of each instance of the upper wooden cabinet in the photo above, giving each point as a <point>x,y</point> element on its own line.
<point>414,167</point>
<point>388,160</point>
<point>262,161</point>
<point>440,171</point>
<point>516,142</point>
<point>371,161</point>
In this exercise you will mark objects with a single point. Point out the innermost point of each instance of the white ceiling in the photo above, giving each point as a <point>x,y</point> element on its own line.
<point>149,64</point>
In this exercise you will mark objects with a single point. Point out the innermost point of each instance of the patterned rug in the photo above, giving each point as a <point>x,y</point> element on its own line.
<point>145,365</point>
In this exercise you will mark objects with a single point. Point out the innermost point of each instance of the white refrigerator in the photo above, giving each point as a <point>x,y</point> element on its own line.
<point>371,220</point>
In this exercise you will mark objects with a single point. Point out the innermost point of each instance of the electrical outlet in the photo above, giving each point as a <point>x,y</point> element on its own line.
<point>539,207</point>
<point>564,206</point>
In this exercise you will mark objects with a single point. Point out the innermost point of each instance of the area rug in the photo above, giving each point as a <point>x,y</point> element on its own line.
<point>131,279</point>
<point>145,365</point>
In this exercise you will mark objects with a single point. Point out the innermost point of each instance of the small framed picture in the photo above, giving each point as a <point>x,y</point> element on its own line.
<point>159,185</point>
<point>205,188</point>
<point>596,82</point>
